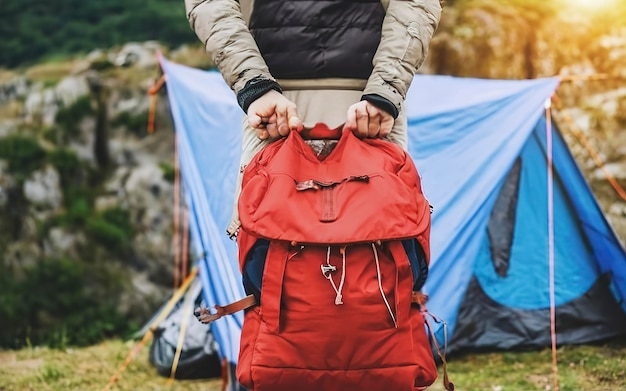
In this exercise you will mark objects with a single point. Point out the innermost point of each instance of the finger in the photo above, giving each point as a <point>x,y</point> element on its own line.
<point>350,119</point>
<point>293,119</point>
<point>255,121</point>
<point>362,121</point>
<point>386,125</point>
<point>271,127</point>
<point>262,134</point>
<point>375,119</point>
<point>282,120</point>
<point>272,130</point>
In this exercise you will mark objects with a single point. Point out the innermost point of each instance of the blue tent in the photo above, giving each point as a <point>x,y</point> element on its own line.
<point>481,147</point>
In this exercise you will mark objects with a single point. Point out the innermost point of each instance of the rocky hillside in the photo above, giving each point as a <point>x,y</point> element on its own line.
<point>86,194</point>
<point>517,39</point>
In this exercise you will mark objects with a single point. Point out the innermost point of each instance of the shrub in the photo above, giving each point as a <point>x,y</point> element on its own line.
<point>50,134</point>
<point>107,234</point>
<point>56,304</point>
<point>134,123</point>
<point>68,165</point>
<point>101,65</point>
<point>23,154</point>
<point>78,211</point>
<point>68,118</point>
<point>168,171</point>
<point>112,229</point>
<point>121,219</point>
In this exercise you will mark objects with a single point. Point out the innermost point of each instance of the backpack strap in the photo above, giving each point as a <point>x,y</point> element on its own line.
<point>420,299</point>
<point>404,282</point>
<point>273,276</point>
<point>204,316</point>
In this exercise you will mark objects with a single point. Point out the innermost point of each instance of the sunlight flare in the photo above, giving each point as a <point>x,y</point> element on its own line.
<point>591,4</point>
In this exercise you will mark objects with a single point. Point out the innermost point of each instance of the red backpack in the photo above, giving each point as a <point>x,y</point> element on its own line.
<point>334,252</point>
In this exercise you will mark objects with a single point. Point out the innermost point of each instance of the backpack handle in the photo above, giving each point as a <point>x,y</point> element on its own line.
<point>321,131</point>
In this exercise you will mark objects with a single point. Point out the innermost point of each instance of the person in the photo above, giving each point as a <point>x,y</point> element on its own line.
<point>295,63</point>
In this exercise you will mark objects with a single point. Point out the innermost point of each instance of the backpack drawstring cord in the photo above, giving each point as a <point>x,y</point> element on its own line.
<point>380,286</point>
<point>327,269</point>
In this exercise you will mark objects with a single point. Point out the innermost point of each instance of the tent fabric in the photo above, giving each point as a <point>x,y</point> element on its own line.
<point>198,358</point>
<point>207,122</point>
<point>465,136</point>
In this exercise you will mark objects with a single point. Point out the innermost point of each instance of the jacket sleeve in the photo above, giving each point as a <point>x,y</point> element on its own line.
<point>408,27</point>
<point>220,26</point>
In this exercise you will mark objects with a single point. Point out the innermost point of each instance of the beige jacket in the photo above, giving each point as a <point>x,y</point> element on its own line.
<point>407,29</point>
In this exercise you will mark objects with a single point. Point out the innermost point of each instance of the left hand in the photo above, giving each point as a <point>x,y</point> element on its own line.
<point>273,116</point>
<point>368,121</point>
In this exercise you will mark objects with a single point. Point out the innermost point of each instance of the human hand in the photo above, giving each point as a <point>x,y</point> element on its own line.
<point>273,116</point>
<point>367,120</point>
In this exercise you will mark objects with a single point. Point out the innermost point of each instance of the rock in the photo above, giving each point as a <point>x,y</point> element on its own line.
<point>144,297</point>
<point>616,170</point>
<point>4,196</point>
<point>83,144</point>
<point>123,152</point>
<point>41,106</point>
<point>106,202</point>
<point>6,182</point>
<point>149,197</point>
<point>21,254</point>
<point>60,243</point>
<point>146,191</point>
<point>618,209</point>
<point>13,89</point>
<point>43,188</point>
<point>499,40</point>
<point>143,55</point>
<point>70,89</point>
<point>115,184</point>
<point>95,55</point>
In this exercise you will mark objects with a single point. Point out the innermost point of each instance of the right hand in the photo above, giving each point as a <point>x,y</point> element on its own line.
<point>367,120</point>
<point>273,116</point>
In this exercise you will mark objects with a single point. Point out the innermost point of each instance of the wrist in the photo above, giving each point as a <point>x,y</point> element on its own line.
<point>254,89</point>
<point>382,103</point>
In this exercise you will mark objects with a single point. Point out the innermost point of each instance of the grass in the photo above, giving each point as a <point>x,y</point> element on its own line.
<point>52,71</point>
<point>86,369</point>
<point>6,75</point>
<point>580,368</point>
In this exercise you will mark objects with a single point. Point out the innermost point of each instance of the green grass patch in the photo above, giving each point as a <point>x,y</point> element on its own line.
<point>90,368</point>
<point>581,368</point>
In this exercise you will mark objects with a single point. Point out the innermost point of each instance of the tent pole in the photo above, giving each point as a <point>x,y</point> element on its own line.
<point>551,241</point>
<point>176,238</point>
<point>187,307</point>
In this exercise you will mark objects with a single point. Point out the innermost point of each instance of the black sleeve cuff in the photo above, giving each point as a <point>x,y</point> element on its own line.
<point>382,103</point>
<point>254,89</point>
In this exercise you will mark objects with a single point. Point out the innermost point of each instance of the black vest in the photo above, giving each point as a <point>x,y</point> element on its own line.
<point>305,39</point>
